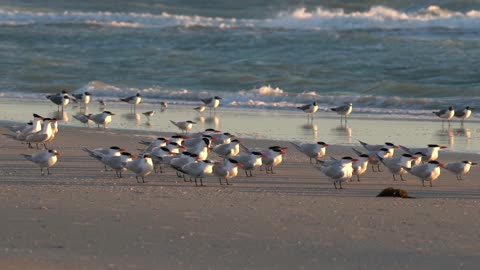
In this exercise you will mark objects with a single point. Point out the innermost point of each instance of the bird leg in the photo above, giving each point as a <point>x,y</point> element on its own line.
<point>401,177</point>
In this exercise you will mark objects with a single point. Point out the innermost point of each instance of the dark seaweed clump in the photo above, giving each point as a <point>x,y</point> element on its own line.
<point>394,192</point>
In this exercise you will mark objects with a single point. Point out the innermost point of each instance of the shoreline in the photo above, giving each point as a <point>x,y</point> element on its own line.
<point>273,124</point>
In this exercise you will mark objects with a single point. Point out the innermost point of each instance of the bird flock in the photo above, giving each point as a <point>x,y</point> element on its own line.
<point>194,156</point>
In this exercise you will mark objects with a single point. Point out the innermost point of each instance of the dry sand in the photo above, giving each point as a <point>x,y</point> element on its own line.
<point>81,217</point>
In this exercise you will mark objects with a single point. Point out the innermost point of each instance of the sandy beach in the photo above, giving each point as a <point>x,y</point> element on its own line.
<point>81,217</point>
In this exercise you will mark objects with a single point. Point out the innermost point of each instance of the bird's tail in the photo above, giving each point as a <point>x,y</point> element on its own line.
<point>27,157</point>
<point>244,148</point>
<point>173,122</point>
<point>357,152</point>
<point>406,149</point>
<point>364,144</point>
<point>296,146</point>
<point>92,153</point>
<point>333,109</point>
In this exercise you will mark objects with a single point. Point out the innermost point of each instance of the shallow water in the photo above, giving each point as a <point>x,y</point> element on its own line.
<point>269,124</point>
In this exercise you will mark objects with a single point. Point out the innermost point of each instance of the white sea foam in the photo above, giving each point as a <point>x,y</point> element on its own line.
<point>377,17</point>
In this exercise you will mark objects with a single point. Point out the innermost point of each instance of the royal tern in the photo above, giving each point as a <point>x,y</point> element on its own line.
<point>360,166</point>
<point>201,149</point>
<point>133,101</point>
<point>396,165</point>
<point>343,111</point>
<point>222,138</point>
<point>194,141</point>
<point>184,126</point>
<point>377,147</point>
<point>460,168</point>
<point>445,114</point>
<point>430,152</point>
<point>312,150</point>
<point>44,160</point>
<point>61,100</point>
<point>212,102</point>
<point>309,109</point>
<point>226,170</point>
<point>198,169</point>
<point>181,160</point>
<point>417,158</point>
<point>373,157</point>
<point>272,157</point>
<point>250,161</point>
<point>42,136</point>
<point>464,114</point>
<point>339,172</point>
<point>118,162</point>
<point>141,166</point>
<point>83,97</point>
<point>227,150</point>
<point>159,142</point>
<point>84,118</point>
<point>103,154</point>
<point>22,132</point>
<point>426,172</point>
<point>103,118</point>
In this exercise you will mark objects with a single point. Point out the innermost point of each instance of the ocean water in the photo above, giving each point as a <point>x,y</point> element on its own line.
<point>386,57</point>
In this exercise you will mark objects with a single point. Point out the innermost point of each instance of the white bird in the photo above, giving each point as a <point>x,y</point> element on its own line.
<point>445,114</point>
<point>250,161</point>
<point>221,138</point>
<point>163,106</point>
<point>226,170</point>
<point>373,157</point>
<point>44,160</point>
<point>42,136</point>
<point>61,101</point>
<point>103,154</point>
<point>460,168</point>
<point>141,166</point>
<point>227,150</point>
<point>23,132</point>
<point>200,109</point>
<point>377,147</point>
<point>212,102</point>
<point>149,114</point>
<point>417,158</point>
<point>430,152</point>
<point>343,111</point>
<point>198,169</point>
<point>312,150</point>
<point>118,162</point>
<point>396,165</point>
<point>103,118</point>
<point>360,165</point>
<point>84,118</point>
<point>426,172</point>
<point>159,142</point>
<point>339,172</point>
<point>83,97</point>
<point>464,114</point>
<point>181,160</point>
<point>309,109</point>
<point>133,100</point>
<point>272,157</point>
<point>201,149</point>
<point>184,126</point>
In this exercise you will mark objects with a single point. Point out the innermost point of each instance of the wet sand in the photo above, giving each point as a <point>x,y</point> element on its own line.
<point>81,217</point>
